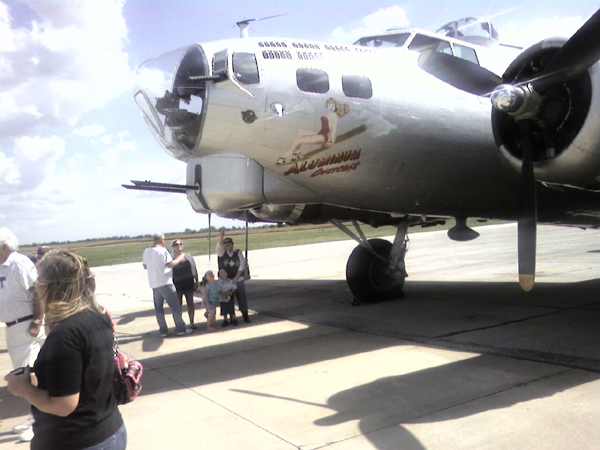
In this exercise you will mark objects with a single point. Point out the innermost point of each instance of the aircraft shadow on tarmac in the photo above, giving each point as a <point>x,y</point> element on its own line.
<point>555,323</point>
<point>433,313</point>
<point>443,393</point>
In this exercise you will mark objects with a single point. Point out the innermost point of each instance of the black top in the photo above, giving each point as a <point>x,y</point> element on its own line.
<point>183,271</point>
<point>77,357</point>
<point>231,264</point>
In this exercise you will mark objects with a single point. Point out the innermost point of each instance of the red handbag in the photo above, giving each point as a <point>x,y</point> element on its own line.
<point>127,381</point>
<point>128,378</point>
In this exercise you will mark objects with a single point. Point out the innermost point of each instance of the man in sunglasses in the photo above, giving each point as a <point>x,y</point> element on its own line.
<point>234,263</point>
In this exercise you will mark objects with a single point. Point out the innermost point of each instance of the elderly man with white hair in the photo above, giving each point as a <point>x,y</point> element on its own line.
<point>20,310</point>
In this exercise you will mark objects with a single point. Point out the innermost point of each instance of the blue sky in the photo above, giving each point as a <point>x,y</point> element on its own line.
<point>70,133</point>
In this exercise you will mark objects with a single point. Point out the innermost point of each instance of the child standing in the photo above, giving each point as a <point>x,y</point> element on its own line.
<point>211,299</point>
<point>226,288</point>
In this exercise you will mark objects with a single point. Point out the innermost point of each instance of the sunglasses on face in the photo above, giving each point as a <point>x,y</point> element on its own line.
<point>176,244</point>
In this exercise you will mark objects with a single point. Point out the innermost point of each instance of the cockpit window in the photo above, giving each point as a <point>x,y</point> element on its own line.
<point>391,40</point>
<point>312,80</point>
<point>422,43</point>
<point>466,53</point>
<point>245,68</point>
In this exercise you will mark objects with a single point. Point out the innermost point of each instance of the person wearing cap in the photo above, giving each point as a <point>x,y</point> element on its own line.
<point>21,310</point>
<point>234,263</point>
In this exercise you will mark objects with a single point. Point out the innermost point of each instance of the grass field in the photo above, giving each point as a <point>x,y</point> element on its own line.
<point>108,252</point>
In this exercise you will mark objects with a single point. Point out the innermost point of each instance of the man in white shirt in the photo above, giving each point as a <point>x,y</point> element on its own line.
<point>20,310</point>
<point>159,263</point>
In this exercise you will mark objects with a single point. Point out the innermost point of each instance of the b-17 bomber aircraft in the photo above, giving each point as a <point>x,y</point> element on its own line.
<point>407,128</point>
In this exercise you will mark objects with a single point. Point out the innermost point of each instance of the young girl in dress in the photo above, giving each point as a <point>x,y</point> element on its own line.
<point>211,299</point>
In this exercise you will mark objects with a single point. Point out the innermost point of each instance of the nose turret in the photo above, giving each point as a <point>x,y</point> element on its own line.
<point>171,94</point>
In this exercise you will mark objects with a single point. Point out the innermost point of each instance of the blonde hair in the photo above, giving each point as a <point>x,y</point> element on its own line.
<point>70,285</point>
<point>341,109</point>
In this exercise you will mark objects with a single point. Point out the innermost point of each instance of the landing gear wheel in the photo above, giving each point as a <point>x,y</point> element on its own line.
<point>367,277</point>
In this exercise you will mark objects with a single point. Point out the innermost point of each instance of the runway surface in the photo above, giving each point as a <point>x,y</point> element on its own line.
<point>465,361</point>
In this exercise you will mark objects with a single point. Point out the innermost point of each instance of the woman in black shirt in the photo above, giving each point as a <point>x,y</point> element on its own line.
<point>185,279</point>
<point>73,403</point>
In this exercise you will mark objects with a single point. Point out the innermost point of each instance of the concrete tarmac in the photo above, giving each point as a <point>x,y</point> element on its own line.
<point>465,361</point>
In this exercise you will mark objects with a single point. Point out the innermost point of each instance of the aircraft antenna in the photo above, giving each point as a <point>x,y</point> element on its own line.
<point>245,24</point>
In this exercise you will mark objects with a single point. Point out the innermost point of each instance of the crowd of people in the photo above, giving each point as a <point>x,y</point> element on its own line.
<point>60,340</point>
<point>173,277</point>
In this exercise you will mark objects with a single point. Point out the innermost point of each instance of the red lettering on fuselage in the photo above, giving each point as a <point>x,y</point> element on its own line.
<point>319,163</point>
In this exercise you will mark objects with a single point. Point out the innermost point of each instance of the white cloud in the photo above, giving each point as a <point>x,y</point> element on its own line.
<point>9,172</point>
<point>116,145</point>
<point>76,203</point>
<point>384,19</point>
<point>33,158</point>
<point>68,61</point>
<point>89,131</point>
<point>106,139</point>
<point>75,161</point>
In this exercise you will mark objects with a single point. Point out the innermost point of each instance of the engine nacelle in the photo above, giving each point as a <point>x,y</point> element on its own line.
<point>228,183</point>
<point>225,182</point>
<point>566,141</point>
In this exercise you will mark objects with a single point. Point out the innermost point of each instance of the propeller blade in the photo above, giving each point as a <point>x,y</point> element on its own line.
<point>460,73</point>
<point>527,226</point>
<point>209,247</point>
<point>578,54</point>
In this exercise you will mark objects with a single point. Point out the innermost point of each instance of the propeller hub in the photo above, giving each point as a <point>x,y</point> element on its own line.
<point>520,101</point>
<point>507,98</point>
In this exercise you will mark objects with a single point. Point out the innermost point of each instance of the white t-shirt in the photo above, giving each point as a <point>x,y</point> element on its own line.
<point>17,275</point>
<point>155,258</point>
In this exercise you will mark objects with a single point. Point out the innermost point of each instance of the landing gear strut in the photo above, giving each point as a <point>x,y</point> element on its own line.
<point>375,270</point>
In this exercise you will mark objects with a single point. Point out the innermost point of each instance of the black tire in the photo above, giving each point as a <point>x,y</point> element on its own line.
<point>366,276</point>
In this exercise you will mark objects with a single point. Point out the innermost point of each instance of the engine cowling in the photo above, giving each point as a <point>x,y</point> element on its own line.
<point>566,137</point>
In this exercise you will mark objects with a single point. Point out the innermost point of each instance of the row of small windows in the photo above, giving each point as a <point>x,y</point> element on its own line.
<point>336,48</point>
<point>274,54</point>
<point>308,46</point>
<point>284,45</point>
<point>272,44</point>
<point>304,56</point>
<point>317,81</point>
